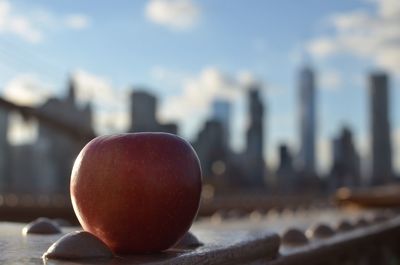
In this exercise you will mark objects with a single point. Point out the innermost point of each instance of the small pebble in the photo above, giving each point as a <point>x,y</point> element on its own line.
<point>294,237</point>
<point>344,226</point>
<point>188,241</point>
<point>320,231</point>
<point>43,226</point>
<point>78,245</point>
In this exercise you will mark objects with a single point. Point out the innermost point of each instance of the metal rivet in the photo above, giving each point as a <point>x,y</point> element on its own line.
<point>344,226</point>
<point>320,231</point>
<point>41,226</point>
<point>362,222</point>
<point>78,245</point>
<point>294,237</point>
<point>188,241</point>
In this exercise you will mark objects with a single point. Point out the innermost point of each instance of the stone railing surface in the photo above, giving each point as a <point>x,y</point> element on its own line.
<point>304,236</point>
<point>24,207</point>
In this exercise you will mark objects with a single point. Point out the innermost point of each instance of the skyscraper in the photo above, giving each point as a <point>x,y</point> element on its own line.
<point>255,140</point>
<point>222,112</point>
<point>306,159</point>
<point>210,148</point>
<point>285,173</point>
<point>144,114</point>
<point>381,152</point>
<point>345,169</point>
<point>4,155</point>
<point>55,153</point>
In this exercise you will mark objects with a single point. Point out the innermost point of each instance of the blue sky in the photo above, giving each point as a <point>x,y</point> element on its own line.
<point>189,52</point>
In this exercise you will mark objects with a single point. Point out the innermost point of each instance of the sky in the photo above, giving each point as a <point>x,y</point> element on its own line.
<point>190,52</point>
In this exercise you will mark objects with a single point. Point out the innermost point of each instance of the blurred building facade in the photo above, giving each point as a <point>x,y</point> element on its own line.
<point>4,149</point>
<point>285,174</point>
<point>48,161</point>
<point>50,158</point>
<point>58,150</point>
<point>307,121</point>
<point>213,152</point>
<point>144,114</point>
<point>221,111</point>
<point>381,150</point>
<point>223,168</point>
<point>345,169</point>
<point>254,153</point>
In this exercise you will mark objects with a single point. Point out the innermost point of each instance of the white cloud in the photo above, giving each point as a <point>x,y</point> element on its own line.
<point>330,80</point>
<point>32,26</point>
<point>110,104</point>
<point>199,91</point>
<point>20,25</point>
<point>77,21</point>
<point>374,35</point>
<point>166,75</point>
<point>21,131</point>
<point>322,47</point>
<point>390,8</point>
<point>27,89</point>
<point>246,79</point>
<point>174,14</point>
<point>92,87</point>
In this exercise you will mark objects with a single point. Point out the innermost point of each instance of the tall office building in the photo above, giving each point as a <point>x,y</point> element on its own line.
<point>144,114</point>
<point>255,140</point>
<point>285,173</point>
<point>222,112</point>
<point>381,152</point>
<point>345,171</point>
<point>4,149</point>
<point>210,148</point>
<point>306,159</point>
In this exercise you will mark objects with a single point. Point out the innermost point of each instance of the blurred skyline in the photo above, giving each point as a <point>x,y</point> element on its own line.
<point>189,52</point>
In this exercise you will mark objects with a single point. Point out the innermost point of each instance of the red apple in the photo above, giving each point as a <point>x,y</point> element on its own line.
<point>137,192</point>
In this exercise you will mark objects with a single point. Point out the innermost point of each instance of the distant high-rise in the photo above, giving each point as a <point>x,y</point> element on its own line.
<point>144,114</point>
<point>381,152</point>
<point>306,159</point>
<point>210,148</point>
<point>3,149</point>
<point>345,169</point>
<point>285,173</point>
<point>222,113</point>
<point>255,140</point>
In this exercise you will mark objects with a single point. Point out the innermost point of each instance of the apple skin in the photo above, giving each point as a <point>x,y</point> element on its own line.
<point>138,192</point>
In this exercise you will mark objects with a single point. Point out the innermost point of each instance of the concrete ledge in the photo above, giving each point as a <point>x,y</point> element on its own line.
<point>220,247</point>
